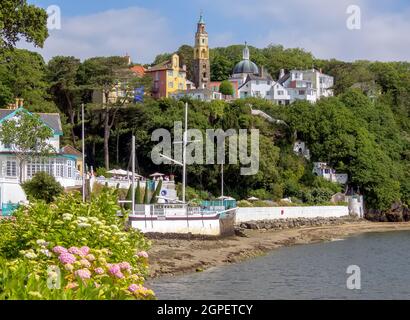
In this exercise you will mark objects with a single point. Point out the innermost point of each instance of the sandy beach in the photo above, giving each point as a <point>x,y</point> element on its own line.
<point>176,256</point>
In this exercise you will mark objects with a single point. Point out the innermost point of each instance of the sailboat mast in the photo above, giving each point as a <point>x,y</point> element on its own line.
<point>184,143</point>
<point>222,180</point>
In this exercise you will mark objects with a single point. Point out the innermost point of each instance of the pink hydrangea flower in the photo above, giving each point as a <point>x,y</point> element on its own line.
<point>132,288</point>
<point>119,275</point>
<point>75,250</point>
<point>85,263</point>
<point>83,274</point>
<point>125,266</point>
<point>67,258</point>
<point>142,254</point>
<point>85,250</point>
<point>114,269</point>
<point>99,271</point>
<point>59,250</point>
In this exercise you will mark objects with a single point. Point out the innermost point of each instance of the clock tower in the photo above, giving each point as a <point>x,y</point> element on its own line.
<point>202,68</point>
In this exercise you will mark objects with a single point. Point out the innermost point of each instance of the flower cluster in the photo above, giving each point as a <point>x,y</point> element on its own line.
<point>91,268</point>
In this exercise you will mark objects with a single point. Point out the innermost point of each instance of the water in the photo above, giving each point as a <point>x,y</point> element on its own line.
<point>316,271</point>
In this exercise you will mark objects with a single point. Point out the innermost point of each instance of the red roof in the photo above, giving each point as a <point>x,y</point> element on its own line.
<point>139,70</point>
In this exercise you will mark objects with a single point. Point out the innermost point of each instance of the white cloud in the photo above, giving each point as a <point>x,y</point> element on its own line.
<point>140,32</point>
<point>319,26</point>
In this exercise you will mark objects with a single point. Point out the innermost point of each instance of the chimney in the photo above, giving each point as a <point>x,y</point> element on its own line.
<point>282,73</point>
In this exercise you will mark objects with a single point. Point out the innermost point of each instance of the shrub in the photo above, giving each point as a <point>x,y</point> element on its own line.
<point>70,223</point>
<point>226,88</point>
<point>42,187</point>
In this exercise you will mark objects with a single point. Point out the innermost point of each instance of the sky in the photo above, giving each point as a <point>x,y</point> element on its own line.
<point>145,28</point>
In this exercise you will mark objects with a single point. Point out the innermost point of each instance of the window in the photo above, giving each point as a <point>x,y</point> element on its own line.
<point>204,75</point>
<point>11,168</point>
<point>203,40</point>
<point>170,73</point>
<point>257,82</point>
<point>280,92</point>
<point>170,84</point>
<point>267,93</point>
<point>302,92</point>
<point>59,168</point>
<point>181,86</point>
<point>7,146</point>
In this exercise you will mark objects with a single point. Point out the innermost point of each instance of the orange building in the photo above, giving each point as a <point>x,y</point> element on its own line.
<point>168,77</point>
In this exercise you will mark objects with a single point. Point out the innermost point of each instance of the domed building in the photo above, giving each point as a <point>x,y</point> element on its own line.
<point>245,68</point>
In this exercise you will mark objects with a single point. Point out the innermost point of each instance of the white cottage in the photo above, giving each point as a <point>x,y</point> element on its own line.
<point>63,166</point>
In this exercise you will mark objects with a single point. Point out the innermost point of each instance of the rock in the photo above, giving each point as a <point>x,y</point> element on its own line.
<point>240,232</point>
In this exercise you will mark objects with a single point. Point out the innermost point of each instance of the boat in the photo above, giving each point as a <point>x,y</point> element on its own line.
<point>210,218</point>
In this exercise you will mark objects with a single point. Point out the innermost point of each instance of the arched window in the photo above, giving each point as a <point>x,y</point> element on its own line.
<point>203,54</point>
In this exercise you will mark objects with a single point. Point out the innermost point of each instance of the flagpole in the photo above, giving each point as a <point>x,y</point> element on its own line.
<point>184,142</point>
<point>83,149</point>
<point>133,175</point>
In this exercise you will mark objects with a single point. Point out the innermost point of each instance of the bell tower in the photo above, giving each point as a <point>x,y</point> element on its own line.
<point>202,67</point>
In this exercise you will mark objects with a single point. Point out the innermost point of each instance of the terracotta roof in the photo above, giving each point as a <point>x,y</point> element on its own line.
<point>139,70</point>
<point>71,150</point>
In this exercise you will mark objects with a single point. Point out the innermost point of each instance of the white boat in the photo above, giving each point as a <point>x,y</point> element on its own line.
<point>211,218</point>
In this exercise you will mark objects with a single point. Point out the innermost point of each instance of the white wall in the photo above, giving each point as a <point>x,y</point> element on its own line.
<point>202,227</point>
<point>271,213</point>
<point>12,192</point>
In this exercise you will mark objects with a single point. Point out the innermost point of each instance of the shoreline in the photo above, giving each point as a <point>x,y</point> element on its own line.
<point>172,257</point>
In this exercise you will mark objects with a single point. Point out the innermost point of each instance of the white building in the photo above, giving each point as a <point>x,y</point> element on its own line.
<point>322,169</point>
<point>309,85</point>
<point>63,166</point>
<point>300,148</point>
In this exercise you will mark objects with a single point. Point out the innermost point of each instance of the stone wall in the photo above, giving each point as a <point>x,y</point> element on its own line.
<point>279,224</point>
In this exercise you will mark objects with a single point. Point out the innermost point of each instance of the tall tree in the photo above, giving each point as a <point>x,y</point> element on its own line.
<point>62,74</point>
<point>107,76</point>
<point>21,20</point>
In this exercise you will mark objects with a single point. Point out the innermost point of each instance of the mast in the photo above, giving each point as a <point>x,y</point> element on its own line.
<point>133,174</point>
<point>222,180</point>
<point>184,144</point>
<point>83,149</point>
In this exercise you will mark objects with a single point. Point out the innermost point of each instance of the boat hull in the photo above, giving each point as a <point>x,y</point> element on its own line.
<point>218,224</point>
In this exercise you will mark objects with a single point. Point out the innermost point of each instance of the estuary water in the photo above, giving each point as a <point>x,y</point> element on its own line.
<point>316,271</point>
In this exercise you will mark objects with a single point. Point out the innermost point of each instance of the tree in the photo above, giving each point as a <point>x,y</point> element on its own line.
<point>42,187</point>
<point>156,193</point>
<point>226,88</point>
<point>138,194</point>
<point>27,137</point>
<point>106,75</point>
<point>62,75</point>
<point>24,76</point>
<point>21,20</point>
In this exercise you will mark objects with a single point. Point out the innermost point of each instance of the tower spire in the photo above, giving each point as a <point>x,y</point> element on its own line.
<point>201,17</point>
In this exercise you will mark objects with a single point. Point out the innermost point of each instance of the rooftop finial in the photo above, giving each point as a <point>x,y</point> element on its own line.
<point>201,17</point>
<point>246,54</point>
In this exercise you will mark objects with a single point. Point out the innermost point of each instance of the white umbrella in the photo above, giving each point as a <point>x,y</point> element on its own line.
<point>118,172</point>
<point>129,173</point>
<point>253,199</point>
<point>157,174</point>
<point>225,198</point>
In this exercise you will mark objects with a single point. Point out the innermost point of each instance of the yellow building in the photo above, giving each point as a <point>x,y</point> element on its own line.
<point>168,77</point>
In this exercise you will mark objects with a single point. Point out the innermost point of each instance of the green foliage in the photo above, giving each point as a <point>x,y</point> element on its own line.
<point>138,194</point>
<point>128,206</point>
<point>70,222</point>
<point>156,193</point>
<point>146,195</point>
<point>226,88</point>
<point>42,187</point>
<point>22,20</point>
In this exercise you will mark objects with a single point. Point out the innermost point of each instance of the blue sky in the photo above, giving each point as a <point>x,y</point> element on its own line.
<point>144,28</point>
